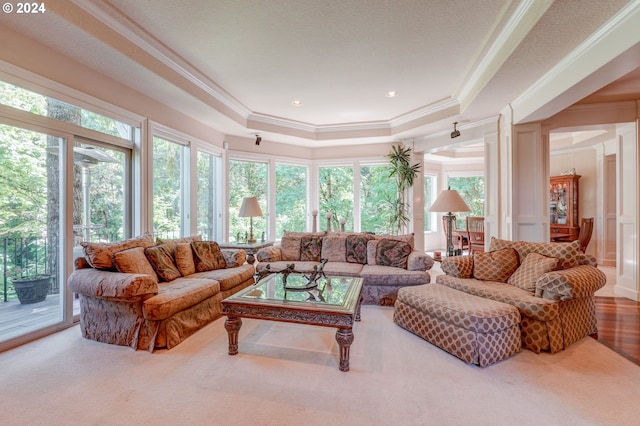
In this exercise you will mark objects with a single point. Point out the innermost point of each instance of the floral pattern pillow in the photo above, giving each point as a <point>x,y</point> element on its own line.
<point>207,256</point>
<point>161,258</point>
<point>357,248</point>
<point>392,253</point>
<point>310,248</point>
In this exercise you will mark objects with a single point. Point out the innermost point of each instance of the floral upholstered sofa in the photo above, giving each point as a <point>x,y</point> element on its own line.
<point>149,295</point>
<point>385,263</point>
<point>551,284</point>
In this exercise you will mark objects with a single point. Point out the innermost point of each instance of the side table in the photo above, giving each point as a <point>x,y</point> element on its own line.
<point>250,248</point>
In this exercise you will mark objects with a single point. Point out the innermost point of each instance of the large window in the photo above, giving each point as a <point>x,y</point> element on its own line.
<point>169,183</point>
<point>377,192</point>
<point>471,189</point>
<point>336,197</point>
<point>247,179</point>
<point>209,190</point>
<point>430,194</point>
<point>291,198</point>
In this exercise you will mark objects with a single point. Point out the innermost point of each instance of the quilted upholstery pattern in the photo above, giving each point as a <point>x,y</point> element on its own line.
<point>567,253</point>
<point>532,268</point>
<point>581,281</point>
<point>458,266</point>
<point>474,329</point>
<point>495,265</point>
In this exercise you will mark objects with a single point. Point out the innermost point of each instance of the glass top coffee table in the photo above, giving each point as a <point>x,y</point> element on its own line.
<point>334,302</point>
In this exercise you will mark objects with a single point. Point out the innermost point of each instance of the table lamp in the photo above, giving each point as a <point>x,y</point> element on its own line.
<point>449,201</point>
<point>250,208</point>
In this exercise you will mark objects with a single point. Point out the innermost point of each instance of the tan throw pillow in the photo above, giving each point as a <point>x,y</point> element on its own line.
<point>566,253</point>
<point>100,255</point>
<point>533,266</point>
<point>207,256</point>
<point>161,258</point>
<point>495,265</point>
<point>334,249</point>
<point>184,259</point>
<point>392,253</point>
<point>290,247</point>
<point>134,261</point>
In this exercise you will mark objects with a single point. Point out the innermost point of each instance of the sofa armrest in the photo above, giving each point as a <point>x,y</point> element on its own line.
<point>418,261</point>
<point>458,266</point>
<point>587,259</point>
<point>234,257</point>
<point>112,285</point>
<point>573,283</point>
<point>269,254</point>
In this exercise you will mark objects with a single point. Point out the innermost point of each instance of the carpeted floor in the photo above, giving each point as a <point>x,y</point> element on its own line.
<point>287,374</point>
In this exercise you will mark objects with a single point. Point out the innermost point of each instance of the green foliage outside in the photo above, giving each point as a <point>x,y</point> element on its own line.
<point>247,179</point>
<point>167,194</point>
<point>291,198</point>
<point>471,189</point>
<point>377,192</point>
<point>336,197</point>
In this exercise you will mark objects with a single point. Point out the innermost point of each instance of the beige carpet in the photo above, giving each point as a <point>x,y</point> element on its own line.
<point>287,374</point>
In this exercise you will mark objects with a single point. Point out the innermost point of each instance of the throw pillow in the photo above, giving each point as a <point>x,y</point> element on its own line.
<point>566,253</point>
<point>171,242</point>
<point>184,259</point>
<point>356,246</point>
<point>495,265</point>
<point>161,258</point>
<point>334,248</point>
<point>133,261</point>
<point>392,253</point>
<point>310,248</point>
<point>290,247</point>
<point>533,266</point>
<point>100,255</point>
<point>207,256</point>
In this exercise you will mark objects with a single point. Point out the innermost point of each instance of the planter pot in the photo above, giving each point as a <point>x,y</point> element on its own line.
<point>32,290</point>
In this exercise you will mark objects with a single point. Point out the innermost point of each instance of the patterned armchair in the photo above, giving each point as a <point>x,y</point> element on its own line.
<point>551,284</point>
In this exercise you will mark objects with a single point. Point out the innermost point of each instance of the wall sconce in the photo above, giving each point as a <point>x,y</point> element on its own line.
<point>258,139</point>
<point>455,132</point>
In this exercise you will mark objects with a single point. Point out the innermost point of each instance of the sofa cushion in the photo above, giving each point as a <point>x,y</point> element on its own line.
<point>178,295</point>
<point>310,248</point>
<point>161,258</point>
<point>495,265</point>
<point>281,265</point>
<point>100,255</point>
<point>183,254</point>
<point>228,278</point>
<point>392,253</point>
<point>207,256</point>
<point>290,247</point>
<point>334,248</point>
<point>356,248</point>
<point>533,266</point>
<point>377,275</point>
<point>134,261</point>
<point>567,253</point>
<point>345,269</point>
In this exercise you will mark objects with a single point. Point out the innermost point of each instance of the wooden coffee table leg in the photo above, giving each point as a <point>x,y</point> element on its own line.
<point>344,336</point>
<point>232,325</point>
<point>358,308</point>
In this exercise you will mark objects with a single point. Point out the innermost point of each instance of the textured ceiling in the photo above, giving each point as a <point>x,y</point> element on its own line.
<point>238,65</point>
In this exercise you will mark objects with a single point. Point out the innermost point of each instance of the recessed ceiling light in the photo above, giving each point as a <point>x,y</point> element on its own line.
<point>392,94</point>
<point>296,103</point>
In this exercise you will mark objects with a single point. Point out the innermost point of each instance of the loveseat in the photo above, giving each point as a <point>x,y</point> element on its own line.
<point>147,295</point>
<point>551,284</point>
<point>385,263</point>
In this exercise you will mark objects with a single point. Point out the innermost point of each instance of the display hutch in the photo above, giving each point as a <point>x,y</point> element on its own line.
<point>563,207</point>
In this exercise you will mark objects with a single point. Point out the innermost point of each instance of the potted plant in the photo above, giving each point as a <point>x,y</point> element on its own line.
<point>31,287</point>
<point>404,173</point>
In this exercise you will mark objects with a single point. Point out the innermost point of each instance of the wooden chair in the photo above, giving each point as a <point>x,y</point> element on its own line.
<point>459,237</point>
<point>586,229</point>
<point>475,233</point>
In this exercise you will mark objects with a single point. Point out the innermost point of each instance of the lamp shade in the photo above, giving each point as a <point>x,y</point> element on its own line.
<point>250,207</point>
<point>449,201</point>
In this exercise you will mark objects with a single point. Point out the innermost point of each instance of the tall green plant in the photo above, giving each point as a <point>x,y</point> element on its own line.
<point>404,173</point>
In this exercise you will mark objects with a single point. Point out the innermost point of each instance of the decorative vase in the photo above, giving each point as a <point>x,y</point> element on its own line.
<point>32,290</point>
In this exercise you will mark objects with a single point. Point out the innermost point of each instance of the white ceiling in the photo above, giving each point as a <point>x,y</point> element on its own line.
<point>237,65</point>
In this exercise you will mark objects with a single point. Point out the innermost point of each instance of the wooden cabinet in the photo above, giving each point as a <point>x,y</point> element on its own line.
<point>563,208</point>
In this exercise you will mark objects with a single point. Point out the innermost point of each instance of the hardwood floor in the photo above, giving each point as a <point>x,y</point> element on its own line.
<point>619,325</point>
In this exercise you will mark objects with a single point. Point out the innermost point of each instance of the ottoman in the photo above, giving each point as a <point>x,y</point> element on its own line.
<point>476,330</point>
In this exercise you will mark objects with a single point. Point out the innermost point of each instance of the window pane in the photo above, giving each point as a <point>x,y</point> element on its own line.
<point>30,196</point>
<point>471,189</point>
<point>291,198</point>
<point>247,179</point>
<point>429,198</point>
<point>336,196</point>
<point>167,188</point>
<point>377,189</point>
<point>208,195</point>
<point>26,100</point>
